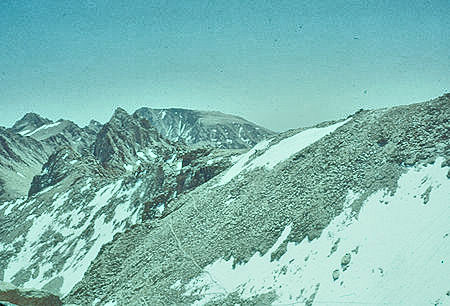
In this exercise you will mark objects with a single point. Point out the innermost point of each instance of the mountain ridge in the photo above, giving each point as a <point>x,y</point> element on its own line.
<point>222,240</point>
<point>140,219</point>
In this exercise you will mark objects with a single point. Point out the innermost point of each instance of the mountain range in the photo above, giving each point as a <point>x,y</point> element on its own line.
<point>171,206</point>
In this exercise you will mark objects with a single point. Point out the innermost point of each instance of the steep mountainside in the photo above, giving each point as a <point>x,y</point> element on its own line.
<point>21,158</point>
<point>80,201</point>
<point>26,146</point>
<point>354,211</point>
<point>199,127</point>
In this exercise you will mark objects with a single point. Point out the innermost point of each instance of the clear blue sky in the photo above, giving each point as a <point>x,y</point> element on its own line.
<point>282,64</point>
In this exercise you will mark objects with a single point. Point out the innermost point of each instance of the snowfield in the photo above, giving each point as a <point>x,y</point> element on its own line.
<point>396,251</point>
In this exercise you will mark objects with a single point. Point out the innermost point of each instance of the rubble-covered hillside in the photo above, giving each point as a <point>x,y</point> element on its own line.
<point>80,200</point>
<point>352,211</point>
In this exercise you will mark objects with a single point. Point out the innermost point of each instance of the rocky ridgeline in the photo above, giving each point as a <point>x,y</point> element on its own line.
<point>205,128</point>
<point>264,230</point>
<point>210,129</point>
<point>55,134</point>
<point>29,123</point>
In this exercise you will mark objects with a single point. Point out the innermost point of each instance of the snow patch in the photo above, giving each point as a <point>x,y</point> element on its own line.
<point>18,203</point>
<point>398,253</point>
<point>24,133</point>
<point>87,186</point>
<point>151,153</point>
<point>241,162</point>
<point>179,165</point>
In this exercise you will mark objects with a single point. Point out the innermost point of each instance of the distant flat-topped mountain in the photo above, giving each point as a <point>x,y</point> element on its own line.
<point>205,128</point>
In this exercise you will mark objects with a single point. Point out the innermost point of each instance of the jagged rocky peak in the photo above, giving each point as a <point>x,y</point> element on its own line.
<point>126,137</point>
<point>205,128</point>
<point>29,123</point>
<point>94,125</point>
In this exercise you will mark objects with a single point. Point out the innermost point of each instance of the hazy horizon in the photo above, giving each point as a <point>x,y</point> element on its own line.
<point>280,64</point>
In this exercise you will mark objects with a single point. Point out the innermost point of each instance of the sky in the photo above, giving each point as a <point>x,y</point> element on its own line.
<point>281,64</point>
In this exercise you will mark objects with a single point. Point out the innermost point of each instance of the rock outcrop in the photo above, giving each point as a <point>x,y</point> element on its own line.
<point>27,297</point>
<point>125,138</point>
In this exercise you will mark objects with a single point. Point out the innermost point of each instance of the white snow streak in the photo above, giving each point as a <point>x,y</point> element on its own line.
<point>44,127</point>
<point>241,163</point>
<point>279,152</point>
<point>71,224</point>
<point>23,133</point>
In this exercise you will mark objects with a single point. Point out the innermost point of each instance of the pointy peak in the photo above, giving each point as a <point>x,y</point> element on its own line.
<point>120,113</point>
<point>33,118</point>
<point>30,120</point>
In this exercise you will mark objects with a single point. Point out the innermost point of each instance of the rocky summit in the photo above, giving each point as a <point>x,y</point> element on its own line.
<point>349,211</point>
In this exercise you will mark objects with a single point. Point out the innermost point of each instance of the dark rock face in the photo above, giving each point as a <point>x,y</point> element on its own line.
<point>205,128</point>
<point>94,126</point>
<point>194,168</point>
<point>64,162</point>
<point>27,297</point>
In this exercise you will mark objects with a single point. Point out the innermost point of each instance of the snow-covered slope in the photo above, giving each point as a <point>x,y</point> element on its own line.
<point>354,211</point>
<point>205,128</point>
<point>79,202</point>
